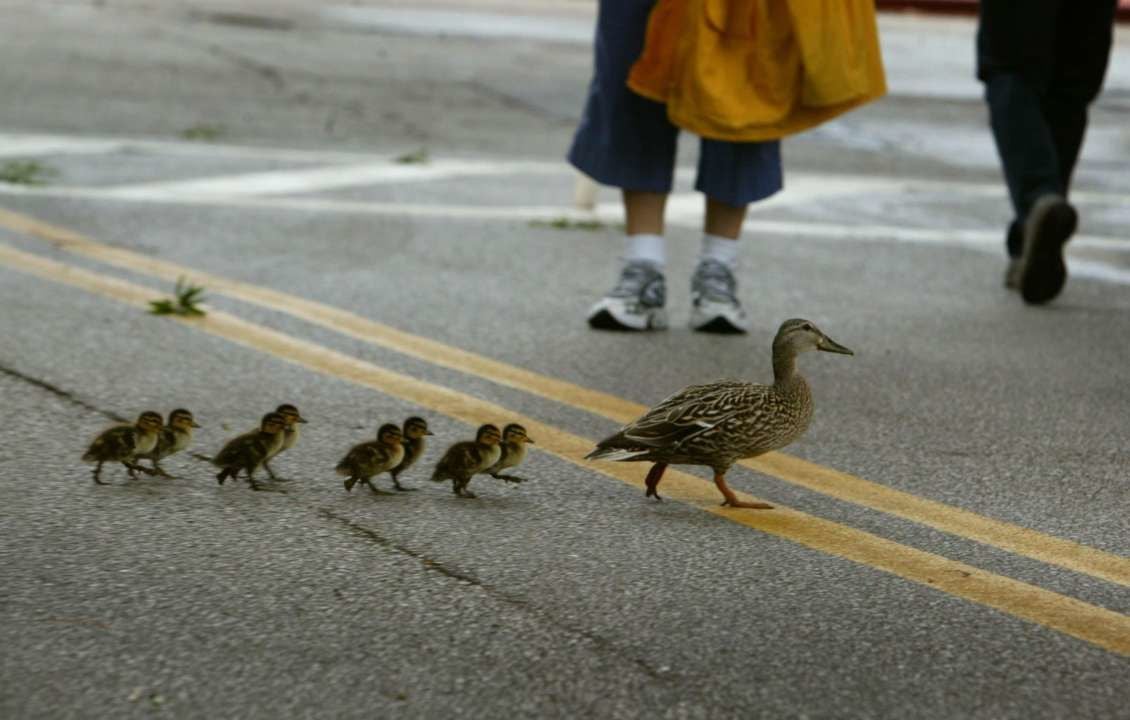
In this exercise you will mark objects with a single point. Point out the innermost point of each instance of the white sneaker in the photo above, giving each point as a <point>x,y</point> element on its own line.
<point>635,303</point>
<point>714,302</point>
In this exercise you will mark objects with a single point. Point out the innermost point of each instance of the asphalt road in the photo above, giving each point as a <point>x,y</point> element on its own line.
<point>950,538</point>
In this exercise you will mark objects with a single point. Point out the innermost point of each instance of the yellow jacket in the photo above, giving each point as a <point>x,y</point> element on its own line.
<point>746,70</point>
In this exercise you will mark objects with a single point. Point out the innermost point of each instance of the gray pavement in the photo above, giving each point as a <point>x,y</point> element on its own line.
<point>569,595</point>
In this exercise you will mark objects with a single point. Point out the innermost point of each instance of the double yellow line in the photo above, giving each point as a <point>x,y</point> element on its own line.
<point>1093,624</point>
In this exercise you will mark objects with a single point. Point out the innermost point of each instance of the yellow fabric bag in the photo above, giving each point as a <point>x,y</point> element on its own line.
<point>747,70</point>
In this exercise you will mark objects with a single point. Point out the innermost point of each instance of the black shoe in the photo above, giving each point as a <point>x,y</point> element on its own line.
<point>1042,272</point>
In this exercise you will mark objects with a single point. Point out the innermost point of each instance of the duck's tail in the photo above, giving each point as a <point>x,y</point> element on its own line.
<point>616,454</point>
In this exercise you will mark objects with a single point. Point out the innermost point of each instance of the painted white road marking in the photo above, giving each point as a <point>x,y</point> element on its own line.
<point>331,170</point>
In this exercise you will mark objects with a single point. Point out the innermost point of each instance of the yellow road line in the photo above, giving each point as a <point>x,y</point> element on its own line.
<point>842,486</point>
<point>1099,626</point>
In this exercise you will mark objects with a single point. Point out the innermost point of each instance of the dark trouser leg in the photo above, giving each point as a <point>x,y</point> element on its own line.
<point>1083,44</point>
<point>623,140</point>
<point>1015,60</point>
<point>1024,141</point>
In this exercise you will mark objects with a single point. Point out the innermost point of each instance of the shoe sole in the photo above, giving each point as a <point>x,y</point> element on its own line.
<point>720,326</point>
<point>605,320</point>
<point>1043,272</point>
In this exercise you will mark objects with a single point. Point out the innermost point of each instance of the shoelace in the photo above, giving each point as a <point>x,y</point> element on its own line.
<point>714,281</point>
<point>638,278</point>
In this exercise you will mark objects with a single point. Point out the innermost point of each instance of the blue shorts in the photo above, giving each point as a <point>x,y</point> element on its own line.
<point>626,141</point>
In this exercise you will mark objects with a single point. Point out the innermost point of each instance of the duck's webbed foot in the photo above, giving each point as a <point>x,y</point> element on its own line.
<point>158,470</point>
<point>396,484</point>
<point>349,483</point>
<point>97,474</point>
<point>270,472</point>
<point>732,499</point>
<point>654,475</point>
<point>508,478</point>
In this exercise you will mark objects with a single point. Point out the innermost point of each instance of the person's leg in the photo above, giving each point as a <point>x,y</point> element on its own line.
<point>1082,52</point>
<point>730,176</point>
<point>1016,59</point>
<point>626,141</point>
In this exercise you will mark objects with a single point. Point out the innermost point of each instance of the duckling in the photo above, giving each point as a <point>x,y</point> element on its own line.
<point>369,459</point>
<point>123,443</point>
<point>514,439</point>
<point>248,451</point>
<point>415,428</point>
<point>464,459</point>
<point>174,437</point>
<point>287,438</point>
<point>718,423</point>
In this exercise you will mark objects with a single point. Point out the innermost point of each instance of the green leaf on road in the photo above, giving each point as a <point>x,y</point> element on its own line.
<point>184,302</point>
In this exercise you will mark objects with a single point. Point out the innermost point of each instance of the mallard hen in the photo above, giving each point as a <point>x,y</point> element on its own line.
<point>466,459</point>
<point>414,434</point>
<point>369,459</point>
<point>174,437</point>
<point>514,439</point>
<point>719,423</point>
<point>124,443</point>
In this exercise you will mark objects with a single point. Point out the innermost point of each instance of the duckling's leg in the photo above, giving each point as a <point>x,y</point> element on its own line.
<point>223,475</point>
<point>461,488</point>
<point>396,484</point>
<point>251,479</point>
<point>508,478</point>
<point>97,474</point>
<point>732,499</point>
<point>654,475</point>
<point>270,472</point>
<point>376,491</point>
<point>349,483</point>
<point>158,470</point>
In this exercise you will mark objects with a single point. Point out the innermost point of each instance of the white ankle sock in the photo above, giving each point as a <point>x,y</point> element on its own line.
<point>645,247</point>
<point>722,249</point>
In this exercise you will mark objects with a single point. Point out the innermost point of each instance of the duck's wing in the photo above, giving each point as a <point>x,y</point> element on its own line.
<point>678,419</point>
<point>353,459</point>
<point>462,457</point>
<point>236,449</point>
<point>117,443</point>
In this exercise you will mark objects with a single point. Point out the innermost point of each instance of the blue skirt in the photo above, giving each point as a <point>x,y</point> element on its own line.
<point>625,140</point>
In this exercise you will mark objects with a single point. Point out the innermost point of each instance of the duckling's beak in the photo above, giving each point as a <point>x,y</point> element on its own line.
<point>827,344</point>
<point>301,420</point>
<point>530,440</point>
<point>429,432</point>
<point>195,424</point>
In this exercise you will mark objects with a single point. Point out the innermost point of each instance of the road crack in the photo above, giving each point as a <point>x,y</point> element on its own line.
<point>428,563</point>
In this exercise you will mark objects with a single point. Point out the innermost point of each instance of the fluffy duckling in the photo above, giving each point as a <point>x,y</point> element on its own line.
<point>465,459</point>
<point>288,437</point>
<point>174,437</point>
<point>514,439</point>
<point>365,461</point>
<point>415,430</point>
<point>719,423</point>
<point>249,450</point>
<point>123,443</point>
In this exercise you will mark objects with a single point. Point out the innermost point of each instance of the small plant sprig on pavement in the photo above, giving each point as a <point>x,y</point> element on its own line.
<point>26,172</point>
<point>185,301</point>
